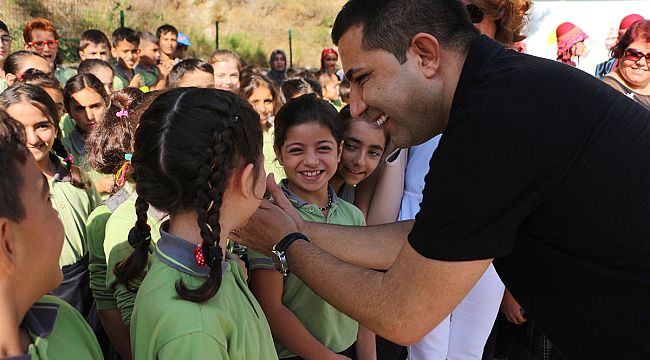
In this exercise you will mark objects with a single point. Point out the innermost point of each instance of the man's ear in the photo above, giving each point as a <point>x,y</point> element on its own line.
<point>426,48</point>
<point>7,250</point>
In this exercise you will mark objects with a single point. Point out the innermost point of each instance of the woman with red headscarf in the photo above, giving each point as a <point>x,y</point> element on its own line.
<point>328,59</point>
<point>570,43</point>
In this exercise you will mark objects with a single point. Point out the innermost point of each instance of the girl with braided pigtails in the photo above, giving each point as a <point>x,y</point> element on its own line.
<point>72,195</point>
<point>197,157</point>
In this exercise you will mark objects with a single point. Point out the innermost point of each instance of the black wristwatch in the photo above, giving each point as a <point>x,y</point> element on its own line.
<point>279,250</point>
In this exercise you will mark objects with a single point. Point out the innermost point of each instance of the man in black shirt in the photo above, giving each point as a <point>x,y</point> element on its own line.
<point>540,167</point>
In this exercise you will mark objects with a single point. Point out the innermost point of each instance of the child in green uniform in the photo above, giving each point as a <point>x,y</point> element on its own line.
<point>263,96</point>
<point>33,325</point>
<point>308,145</point>
<point>109,147</point>
<point>20,61</point>
<point>85,100</point>
<point>126,53</point>
<point>198,157</point>
<point>72,196</point>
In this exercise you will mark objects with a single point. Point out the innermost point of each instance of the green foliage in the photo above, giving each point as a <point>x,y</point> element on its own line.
<point>247,46</point>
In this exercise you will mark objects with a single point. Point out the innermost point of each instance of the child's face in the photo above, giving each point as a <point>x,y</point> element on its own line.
<point>105,75</point>
<point>197,78</point>
<point>310,157</point>
<point>331,88</point>
<point>168,44</point>
<point>126,53</point>
<point>87,108</point>
<point>262,101</point>
<point>39,130</point>
<point>226,75</point>
<point>39,236</point>
<point>43,42</point>
<point>5,45</point>
<point>95,51</point>
<point>363,146</point>
<point>149,53</point>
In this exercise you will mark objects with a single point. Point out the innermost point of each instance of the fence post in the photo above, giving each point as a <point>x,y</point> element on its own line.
<point>216,36</point>
<point>290,51</point>
<point>121,18</point>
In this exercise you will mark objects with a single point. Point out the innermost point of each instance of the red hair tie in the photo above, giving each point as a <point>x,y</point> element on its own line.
<point>198,255</point>
<point>69,159</point>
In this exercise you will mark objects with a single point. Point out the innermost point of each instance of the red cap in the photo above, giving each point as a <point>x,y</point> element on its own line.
<point>563,28</point>
<point>629,20</point>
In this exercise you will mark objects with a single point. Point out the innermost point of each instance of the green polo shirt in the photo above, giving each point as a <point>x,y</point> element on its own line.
<point>118,83</point>
<point>75,143</point>
<point>331,327</point>
<point>149,75</point>
<point>230,325</point>
<point>63,74</point>
<point>95,232</point>
<point>73,205</point>
<point>66,125</point>
<point>3,85</point>
<point>58,331</point>
<point>270,164</point>
<point>117,248</point>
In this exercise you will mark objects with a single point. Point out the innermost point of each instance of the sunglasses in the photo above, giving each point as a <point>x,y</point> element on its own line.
<point>475,13</point>
<point>39,45</point>
<point>636,55</point>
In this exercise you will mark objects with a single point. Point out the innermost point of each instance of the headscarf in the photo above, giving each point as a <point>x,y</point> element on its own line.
<point>277,76</point>
<point>567,36</point>
<point>324,54</point>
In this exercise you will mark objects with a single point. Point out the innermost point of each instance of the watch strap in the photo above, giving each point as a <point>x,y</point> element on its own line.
<point>284,244</point>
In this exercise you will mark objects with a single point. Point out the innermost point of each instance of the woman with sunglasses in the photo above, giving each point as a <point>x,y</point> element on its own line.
<point>41,36</point>
<point>632,75</point>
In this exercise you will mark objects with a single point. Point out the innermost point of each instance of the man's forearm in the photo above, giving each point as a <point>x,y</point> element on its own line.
<point>373,247</point>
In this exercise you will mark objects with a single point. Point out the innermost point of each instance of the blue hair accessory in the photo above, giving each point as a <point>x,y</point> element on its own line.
<point>128,156</point>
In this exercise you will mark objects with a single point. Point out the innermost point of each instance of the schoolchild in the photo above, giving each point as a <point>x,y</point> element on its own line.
<point>182,46</point>
<point>94,44</point>
<point>41,36</point>
<point>263,96</point>
<point>153,75</point>
<point>5,49</point>
<point>197,157</point>
<point>85,100</point>
<point>109,148</point>
<point>102,71</point>
<point>329,82</point>
<point>308,145</point>
<point>20,61</point>
<point>72,196</point>
<point>292,88</point>
<point>33,325</point>
<point>126,53</point>
<point>167,35</point>
<point>191,72</point>
<point>46,82</point>
<point>227,67</point>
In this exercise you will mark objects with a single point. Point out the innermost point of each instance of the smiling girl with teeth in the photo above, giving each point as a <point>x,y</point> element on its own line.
<point>308,144</point>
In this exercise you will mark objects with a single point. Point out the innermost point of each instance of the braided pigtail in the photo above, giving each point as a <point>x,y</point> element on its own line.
<point>132,268</point>
<point>77,177</point>
<point>211,185</point>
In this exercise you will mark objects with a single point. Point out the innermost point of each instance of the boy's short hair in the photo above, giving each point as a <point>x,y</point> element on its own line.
<point>14,155</point>
<point>145,35</point>
<point>93,36</point>
<point>89,65</point>
<point>164,29</point>
<point>344,90</point>
<point>38,24</point>
<point>125,33</point>
<point>296,86</point>
<point>179,70</point>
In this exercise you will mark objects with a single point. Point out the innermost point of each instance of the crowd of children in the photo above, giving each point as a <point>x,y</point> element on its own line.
<point>149,160</point>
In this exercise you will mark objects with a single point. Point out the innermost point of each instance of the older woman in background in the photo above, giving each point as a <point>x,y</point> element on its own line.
<point>632,75</point>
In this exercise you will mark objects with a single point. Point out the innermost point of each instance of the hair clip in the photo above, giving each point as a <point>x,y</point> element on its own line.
<point>128,156</point>
<point>69,158</point>
<point>21,77</point>
<point>122,113</point>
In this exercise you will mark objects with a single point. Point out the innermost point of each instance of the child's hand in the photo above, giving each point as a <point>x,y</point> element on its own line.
<point>136,81</point>
<point>165,68</point>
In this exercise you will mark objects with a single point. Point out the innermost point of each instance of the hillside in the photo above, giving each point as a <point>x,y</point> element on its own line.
<point>252,27</point>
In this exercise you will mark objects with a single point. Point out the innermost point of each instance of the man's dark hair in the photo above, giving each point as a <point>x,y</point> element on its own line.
<point>391,24</point>
<point>125,33</point>
<point>164,29</point>
<point>13,154</point>
<point>179,70</point>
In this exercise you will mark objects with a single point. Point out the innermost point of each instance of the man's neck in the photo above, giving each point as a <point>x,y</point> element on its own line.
<point>453,63</point>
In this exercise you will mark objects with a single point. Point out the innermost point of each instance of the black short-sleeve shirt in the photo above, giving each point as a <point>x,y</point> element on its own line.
<point>547,170</point>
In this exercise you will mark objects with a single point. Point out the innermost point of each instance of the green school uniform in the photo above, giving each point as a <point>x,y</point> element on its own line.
<point>95,232</point>
<point>123,74</point>
<point>66,125</point>
<point>75,143</point>
<point>230,325</point>
<point>3,85</point>
<point>149,75</point>
<point>117,248</point>
<point>270,164</point>
<point>63,74</point>
<point>73,206</point>
<point>58,331</point>
<point>118,83</point>
<point>331,327</point>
